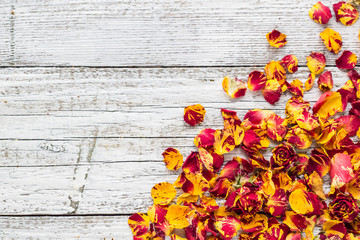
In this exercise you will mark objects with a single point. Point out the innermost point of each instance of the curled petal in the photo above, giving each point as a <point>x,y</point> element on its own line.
<point>276,38</point>
<point>256,81</point>
<point>139,223</point>
<point>319,162</point>
<point>347,60</point>
<point>173,159</point>
<point>341,170</point>
<point>274,70</point>
<point>348,93</point>
<point>328,104</point>
<point>222,188</point>
<point>272,91</point>
<point>346,13</point>
<point>194,114</point>
<point>157,216</point>
<point>320,13</point>
<point>296,87</point>
<point>163,193</point>
<point>325,81</point>
<point>315,182</point>
<point>332,40</point>
<point>298,137</point>
<point>234,87</point>
<point>310,82</point>
<point>290,62</point>
<point>316,62</point>
<point>177,216</point>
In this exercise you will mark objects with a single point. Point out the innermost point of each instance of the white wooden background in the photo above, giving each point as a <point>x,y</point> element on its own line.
<point>93,91</point>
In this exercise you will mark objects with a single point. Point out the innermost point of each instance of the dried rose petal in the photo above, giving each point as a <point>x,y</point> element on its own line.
<point>173,159</point>
<point>224,141</point>
<point>205,138</point>
<point>258,224</point>
<point>346,13</point>
<point>343,208</point>
<point>290,62</point>
<point>177,216</point>
<point>227,226</point>
<point>139,223</point>
<point>303,202</point>
<point>234,87</point>
<point>277,203</point>
<point>316,62</point>
<point>325,81</point>
<point>276,39</point>
<point>272,91</point>
<point>328,104</point>
<point>163,193</point>
<point>296,87</point>
<point>194,114</point>
<point>347,60</point>
<point>320,13</point>
<point>256,81</point>
<point>310,82</point>
<point>341,171</point>
<point>274,70</point>
<point>332,40</point>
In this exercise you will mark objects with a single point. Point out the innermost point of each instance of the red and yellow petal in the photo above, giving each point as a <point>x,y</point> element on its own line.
<point>173,159</point>
<point>346,13</point>
<point>228,226</point>
<point>328,104</point>
<point>276,38</point>
<point>290,62</point>
<point>139,223</point>
<point>163,193</point>
<point>194,114</point>
<point>325,81</point>
<point>256,80</point>
<point>341,171</point>
<point>296,87</point>
<point>347,60</point>
<point>310,82</point>
<point>316,62</point>
<point>274,70</point>
<point>320,13</point>
<point>272,91</point>
<point>205,138</point>
<point>234,87</point>
<point>177,216</point>
<point>224,141</point>
<point>332,40</point>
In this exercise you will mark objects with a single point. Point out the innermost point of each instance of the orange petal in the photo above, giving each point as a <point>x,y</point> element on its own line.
<point>347,60</point>
<point>320,13</point>
<point>332,40</point>
<point>256,80</point>
<point>194,114</point>
<point>276,38</point>
<point>316,62</point>
<point>177,216</point>
<point>173,159</point>
<point>163,193</point>
<point>346,13</point>
<point>234,87</point>
<point>290,62</point>
<point>325,81</point>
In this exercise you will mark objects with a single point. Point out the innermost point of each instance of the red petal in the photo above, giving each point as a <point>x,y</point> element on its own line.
<point>347,60</point>
<point>320,13</point>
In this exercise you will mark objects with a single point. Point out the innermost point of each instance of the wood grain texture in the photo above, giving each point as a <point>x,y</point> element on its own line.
<point>165,33</point>
<point>79,227</point>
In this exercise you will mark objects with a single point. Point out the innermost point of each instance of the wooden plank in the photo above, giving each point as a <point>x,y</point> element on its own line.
<point>68,103</point>
<point>84,227</point>
<point>166,33</point>
<point>82,188</point>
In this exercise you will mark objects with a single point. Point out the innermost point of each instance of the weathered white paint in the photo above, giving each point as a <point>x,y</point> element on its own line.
<point>89,140</point>
<point>67,227</point>
<point>162,32</point>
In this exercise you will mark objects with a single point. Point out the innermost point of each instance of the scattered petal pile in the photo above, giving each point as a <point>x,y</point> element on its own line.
<point>274,192</point>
